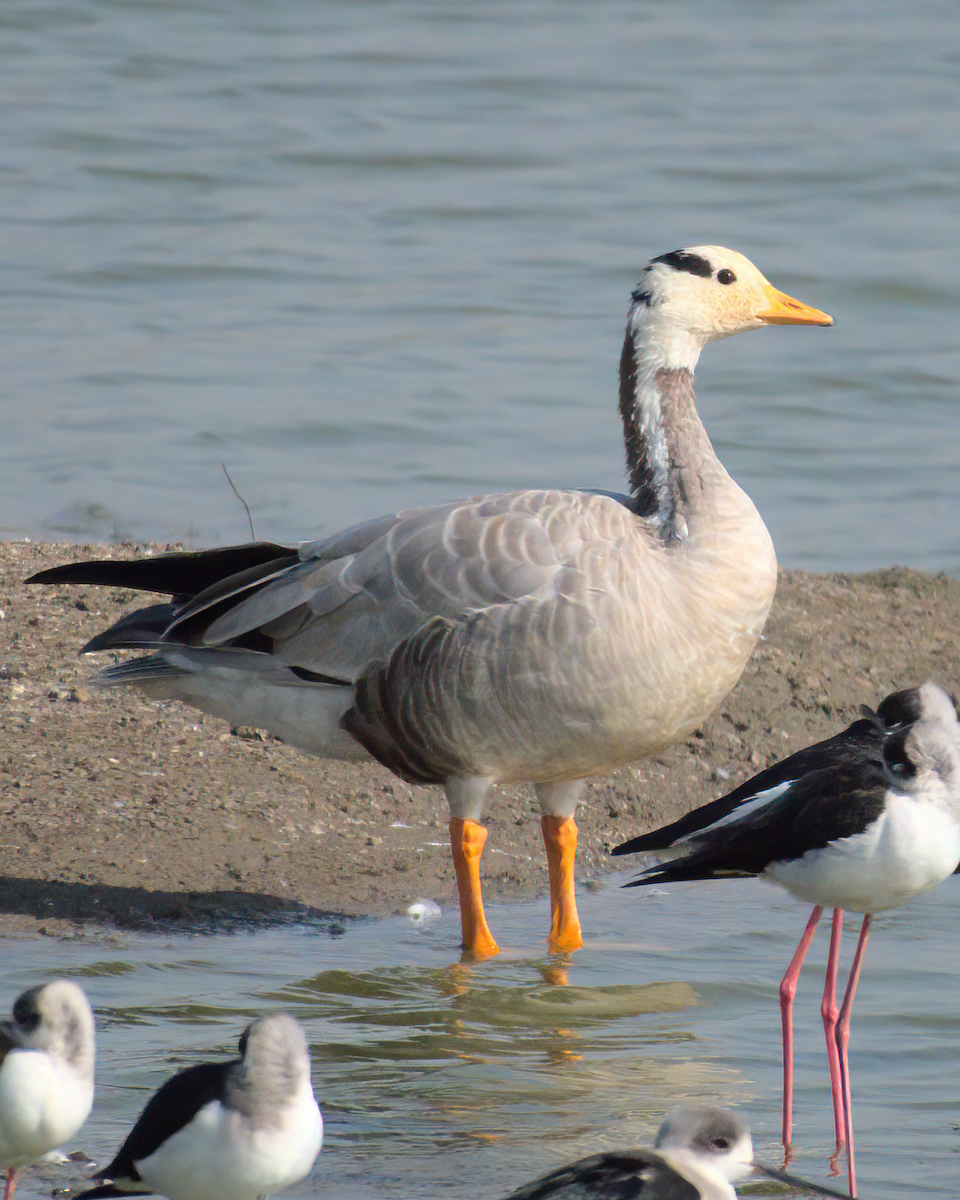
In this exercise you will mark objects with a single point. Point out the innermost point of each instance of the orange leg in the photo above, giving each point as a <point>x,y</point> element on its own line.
<point>467,839</point>
<point>560,840</point>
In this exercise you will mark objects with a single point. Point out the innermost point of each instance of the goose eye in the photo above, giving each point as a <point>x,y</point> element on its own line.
<point>726,276</point>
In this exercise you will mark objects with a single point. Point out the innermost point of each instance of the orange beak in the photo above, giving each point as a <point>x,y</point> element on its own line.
<point>784,310</point>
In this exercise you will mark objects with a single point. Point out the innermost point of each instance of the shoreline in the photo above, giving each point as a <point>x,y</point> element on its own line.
<point>121,812</point>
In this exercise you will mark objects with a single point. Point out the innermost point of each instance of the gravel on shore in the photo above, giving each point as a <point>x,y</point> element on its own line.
<point>125,812</point>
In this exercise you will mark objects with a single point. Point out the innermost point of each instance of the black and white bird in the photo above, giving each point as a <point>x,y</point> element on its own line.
<point>536,636</point>
<point>864,821</point>
<point>699,1153</point>
<point>241,1129</point>
<point>46,1074</point>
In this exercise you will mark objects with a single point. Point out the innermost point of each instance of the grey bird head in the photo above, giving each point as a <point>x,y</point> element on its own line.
<point>56,1017</point>
<point>924,758</point>
<point>709,1134</point>
<point>710,1145</point>
<point>275,1068</point>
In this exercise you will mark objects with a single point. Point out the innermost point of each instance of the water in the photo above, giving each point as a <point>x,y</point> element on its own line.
<point>438,1079</point>
<point>372,255</point>
<point>377,254</point>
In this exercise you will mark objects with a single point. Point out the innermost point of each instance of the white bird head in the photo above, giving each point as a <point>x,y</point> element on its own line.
<point>712,1149</point>
<point>276,1065</point>
<point>697,295</point>
<point>712,1137</point>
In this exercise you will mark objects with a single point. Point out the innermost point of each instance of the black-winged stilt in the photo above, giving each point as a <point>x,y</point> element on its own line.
<point>699,1153</point>
<point>241,1129</point>
<point>46,1074</point>
<point>864,821</point>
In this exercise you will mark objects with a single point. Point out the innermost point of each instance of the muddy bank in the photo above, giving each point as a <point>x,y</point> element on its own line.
<point>122,811</point>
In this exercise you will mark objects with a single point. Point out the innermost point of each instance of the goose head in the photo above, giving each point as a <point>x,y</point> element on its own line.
<point>688,298</point>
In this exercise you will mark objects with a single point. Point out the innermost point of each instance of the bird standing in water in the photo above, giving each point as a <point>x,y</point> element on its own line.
<point>864,821</point>
<point>538,636</point>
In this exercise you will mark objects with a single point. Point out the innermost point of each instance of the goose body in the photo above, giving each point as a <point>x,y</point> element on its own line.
<point>241,1129</point>
<point>539,636</point>
<point>46,1074</point>
<point>864,821</point>
<point>699,1153</point>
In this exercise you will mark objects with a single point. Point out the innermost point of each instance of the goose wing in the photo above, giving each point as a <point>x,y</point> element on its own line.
<point>349,600</point>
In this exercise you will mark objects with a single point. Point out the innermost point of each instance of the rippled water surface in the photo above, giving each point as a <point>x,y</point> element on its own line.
<point>370,255</point>
<point>438,1079</point>
<point>374,254</point>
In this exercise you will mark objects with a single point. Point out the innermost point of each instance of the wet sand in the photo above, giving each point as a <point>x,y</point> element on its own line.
<point>122,811</point>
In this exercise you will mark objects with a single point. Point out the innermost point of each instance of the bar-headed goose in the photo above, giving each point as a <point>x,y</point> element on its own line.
<point>541,635</point>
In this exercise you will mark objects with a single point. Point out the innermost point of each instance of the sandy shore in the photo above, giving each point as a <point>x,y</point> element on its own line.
<point>121,811</point>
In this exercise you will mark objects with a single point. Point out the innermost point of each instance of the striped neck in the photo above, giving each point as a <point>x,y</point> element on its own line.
<point>666,444</point>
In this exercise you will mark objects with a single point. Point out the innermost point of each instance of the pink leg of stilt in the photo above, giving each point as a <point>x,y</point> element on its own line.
<point>11,1185</point>
<point>830,1014</point>
<point>843,1044</point>
<point>788,989</point>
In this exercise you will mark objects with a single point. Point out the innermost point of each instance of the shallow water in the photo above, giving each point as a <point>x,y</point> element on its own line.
<point>374,255</point>
<point>441,1079</point>
<point>378,254</point>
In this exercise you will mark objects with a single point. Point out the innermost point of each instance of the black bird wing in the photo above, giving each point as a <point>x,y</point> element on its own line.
<point>823,806</point>
<point>182,574</point>
<point>10,1039</point>
<point>860,743</point>
<point>612,1175</point>
<point>169,1109</point>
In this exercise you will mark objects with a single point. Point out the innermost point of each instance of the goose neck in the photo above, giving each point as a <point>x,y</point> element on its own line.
<point>668,451</point>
